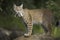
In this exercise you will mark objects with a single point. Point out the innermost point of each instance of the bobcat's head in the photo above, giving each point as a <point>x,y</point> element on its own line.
<point>18,10</point>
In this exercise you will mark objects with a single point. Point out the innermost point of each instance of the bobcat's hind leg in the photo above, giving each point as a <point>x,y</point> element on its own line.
<point>47,29</point>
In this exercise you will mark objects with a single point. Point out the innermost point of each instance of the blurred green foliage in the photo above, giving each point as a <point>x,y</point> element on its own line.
<point>8,21</point>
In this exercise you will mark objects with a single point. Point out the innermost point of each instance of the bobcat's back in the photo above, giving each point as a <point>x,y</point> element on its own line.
<point>38,15</point>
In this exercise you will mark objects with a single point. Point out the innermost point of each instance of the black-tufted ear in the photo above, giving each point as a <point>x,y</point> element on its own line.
<point>21,6</point>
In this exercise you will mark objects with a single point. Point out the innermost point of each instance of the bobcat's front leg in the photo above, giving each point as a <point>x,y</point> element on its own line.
<point>29,26</point>
<point>29,29</point>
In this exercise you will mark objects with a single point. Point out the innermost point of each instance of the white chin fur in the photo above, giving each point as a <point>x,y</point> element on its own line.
<point>21,14</point>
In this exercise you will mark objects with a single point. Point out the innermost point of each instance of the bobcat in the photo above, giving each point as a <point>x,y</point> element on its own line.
<point>35,16</point>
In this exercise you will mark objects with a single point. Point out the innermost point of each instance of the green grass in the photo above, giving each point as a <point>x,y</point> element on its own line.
<point>37,29</point>
<point>56,31</point>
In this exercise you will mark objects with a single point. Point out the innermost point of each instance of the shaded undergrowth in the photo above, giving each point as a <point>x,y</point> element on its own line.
<point>11,23</point>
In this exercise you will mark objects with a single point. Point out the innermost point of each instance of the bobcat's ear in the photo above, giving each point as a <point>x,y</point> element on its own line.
<point>14,5</point>
<point>21,6</point>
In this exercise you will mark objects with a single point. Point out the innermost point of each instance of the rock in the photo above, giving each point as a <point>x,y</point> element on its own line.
<point>27,38</point>
<point>5,31</point>
<point>3,36</point>
<point>9,35</point>
<point>46,38</point>
<point>15,34</point>
<point>35,37</point>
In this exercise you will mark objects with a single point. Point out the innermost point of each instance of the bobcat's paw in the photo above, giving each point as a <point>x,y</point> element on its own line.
<point>27,35</point>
